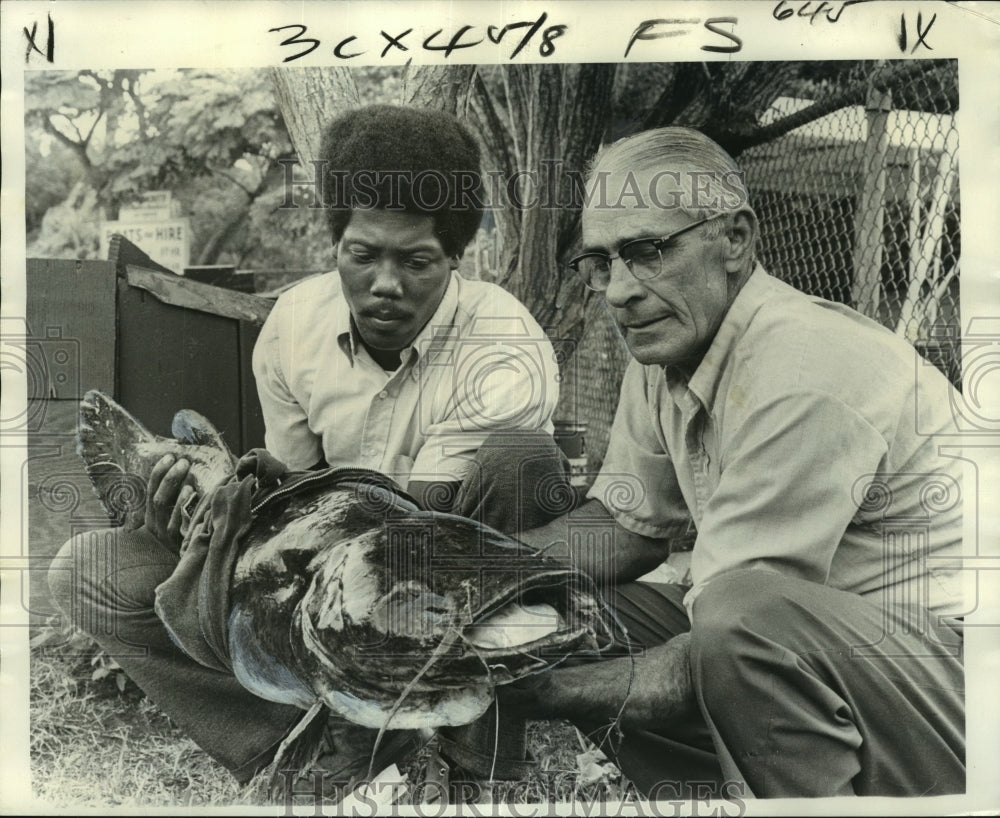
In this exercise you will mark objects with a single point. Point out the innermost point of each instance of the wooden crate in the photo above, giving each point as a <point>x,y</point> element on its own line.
<point>155,340</point>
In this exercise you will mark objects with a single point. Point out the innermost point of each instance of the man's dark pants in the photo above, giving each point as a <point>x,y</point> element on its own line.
<point>803,690</point>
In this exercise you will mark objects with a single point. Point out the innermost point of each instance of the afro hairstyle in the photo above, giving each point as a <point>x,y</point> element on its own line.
<point>415,160</point>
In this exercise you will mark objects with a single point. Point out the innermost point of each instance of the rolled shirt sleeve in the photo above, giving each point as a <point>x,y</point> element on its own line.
<point>637,483</point>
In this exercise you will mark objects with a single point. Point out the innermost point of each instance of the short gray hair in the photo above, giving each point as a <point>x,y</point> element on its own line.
<point>682,150</point>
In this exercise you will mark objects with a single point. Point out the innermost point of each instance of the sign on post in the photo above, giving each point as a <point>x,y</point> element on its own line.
<point>166,242</point>
<point>154,224</point>
<point>155,206</point>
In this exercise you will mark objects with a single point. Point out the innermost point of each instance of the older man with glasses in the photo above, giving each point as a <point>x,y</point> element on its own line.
<point>817,650</point>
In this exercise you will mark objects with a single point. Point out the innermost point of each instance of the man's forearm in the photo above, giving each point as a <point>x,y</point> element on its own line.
<point>651,690</point>
<point>619,555</point>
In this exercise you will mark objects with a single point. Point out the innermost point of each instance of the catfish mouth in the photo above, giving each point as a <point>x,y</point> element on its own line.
<point>530,627</point>
<point>537,613</point>
<point>519,626</point>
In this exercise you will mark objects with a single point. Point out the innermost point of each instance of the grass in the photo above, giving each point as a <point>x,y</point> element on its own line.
<point>94,745</point>
<point>98,742</point>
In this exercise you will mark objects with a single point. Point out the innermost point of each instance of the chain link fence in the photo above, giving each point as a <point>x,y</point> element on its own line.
<point>858,203</point>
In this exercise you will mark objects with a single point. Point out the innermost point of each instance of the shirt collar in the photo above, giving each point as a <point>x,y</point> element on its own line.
<point>704,383</point>
<point>429,340</point>
<point>347,336</point>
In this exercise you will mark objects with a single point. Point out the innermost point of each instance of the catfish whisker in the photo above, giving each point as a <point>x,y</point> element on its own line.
<point>496,704</point>
<point>474,649</point>
<point>447,642</point>
<point>496,738</point>
<point>615,724</point>
<point>468,600</point>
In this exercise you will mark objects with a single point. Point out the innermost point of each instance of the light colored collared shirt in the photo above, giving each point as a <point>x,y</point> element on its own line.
<point>481,364</point>
<point>806,442</point>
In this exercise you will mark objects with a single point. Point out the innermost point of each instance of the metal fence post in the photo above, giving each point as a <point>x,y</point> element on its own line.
<point>869,217</point>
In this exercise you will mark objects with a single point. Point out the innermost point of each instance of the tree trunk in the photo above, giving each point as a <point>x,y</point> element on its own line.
<point>309,98</point>
<point>723,100</point>
<point>219,240</point>
<point>546,120</point>
<point>444,87</point>
<point>543,114</point>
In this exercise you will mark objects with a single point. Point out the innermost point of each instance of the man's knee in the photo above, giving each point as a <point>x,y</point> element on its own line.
<point>78,574</point>
<point>528,466</point>
<point>106,570</point>
<point>518,481</point>
<point>733,614</point>
<point>61,575</point>
<point>507,450</point>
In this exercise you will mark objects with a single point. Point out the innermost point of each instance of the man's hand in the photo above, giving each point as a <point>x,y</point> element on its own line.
<point>167,496</point>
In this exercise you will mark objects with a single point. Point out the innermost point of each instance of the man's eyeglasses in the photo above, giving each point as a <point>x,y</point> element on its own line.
<point>642,257</point>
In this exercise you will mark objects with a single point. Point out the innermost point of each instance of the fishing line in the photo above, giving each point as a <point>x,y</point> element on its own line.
<point>616,721</point>
<point>615,724</point>
<point>496,702</point>
<point>447,642</point>
<point>496,737</point>
<point>278,761</point>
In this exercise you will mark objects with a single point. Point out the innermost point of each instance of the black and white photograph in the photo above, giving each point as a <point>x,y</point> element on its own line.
<point>487,409</point>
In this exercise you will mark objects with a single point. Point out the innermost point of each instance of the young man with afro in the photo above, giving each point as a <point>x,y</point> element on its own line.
<point>393,363</point>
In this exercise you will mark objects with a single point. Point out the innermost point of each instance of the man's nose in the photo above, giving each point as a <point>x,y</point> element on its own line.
<point>622,286</point>
<point>386,280</point>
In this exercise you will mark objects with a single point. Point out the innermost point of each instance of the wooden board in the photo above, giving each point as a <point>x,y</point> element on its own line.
<point>154,340</point>
<point>121,252</point>
<point>71,327</point>
<point>194,295</point>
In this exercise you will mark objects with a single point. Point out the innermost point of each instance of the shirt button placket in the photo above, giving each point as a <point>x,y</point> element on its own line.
<point>377,429</point>
<point>698,459</point>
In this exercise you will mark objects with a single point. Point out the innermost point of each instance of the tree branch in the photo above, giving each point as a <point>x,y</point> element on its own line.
<point>227,176</point>
<point>93,127</point>
<point>140,108</point>
<point>79,148</point>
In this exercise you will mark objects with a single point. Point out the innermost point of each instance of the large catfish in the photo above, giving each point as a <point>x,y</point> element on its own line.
<point>344,592</point>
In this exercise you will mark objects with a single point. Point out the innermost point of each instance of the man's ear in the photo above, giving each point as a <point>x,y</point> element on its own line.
<point>454,261</point>
<point>741,235</point>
